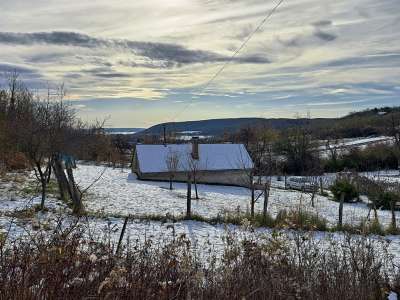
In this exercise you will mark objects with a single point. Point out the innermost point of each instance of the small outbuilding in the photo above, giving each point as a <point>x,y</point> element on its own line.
<point>225,164</point>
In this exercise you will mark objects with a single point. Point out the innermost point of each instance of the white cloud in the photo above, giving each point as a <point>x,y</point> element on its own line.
<point>329,50</point>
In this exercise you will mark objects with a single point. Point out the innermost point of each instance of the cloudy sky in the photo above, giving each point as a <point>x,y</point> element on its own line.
<point>144,62</point>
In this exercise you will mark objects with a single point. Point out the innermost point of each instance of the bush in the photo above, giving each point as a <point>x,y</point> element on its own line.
<point>300,219</point>
<point>69,264</point>
<point>392,230</point>
<point>385,200</point>
<point>375,157</point>
<point>371,227</point>
<point>346,187</point>
<point>15,161</point>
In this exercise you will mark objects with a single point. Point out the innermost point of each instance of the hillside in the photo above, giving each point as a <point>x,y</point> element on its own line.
<point>220,126</point>
<point>357,124</point>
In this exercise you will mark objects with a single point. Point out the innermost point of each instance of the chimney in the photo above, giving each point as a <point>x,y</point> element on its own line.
<point>195,147</point>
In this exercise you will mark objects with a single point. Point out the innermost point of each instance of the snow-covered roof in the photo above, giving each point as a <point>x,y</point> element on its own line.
<point>153,158</point>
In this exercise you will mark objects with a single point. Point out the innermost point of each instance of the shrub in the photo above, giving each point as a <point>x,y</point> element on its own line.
<point>392,230</point>
<point>385,199</point>
<point>280,266</point>
<point>237,219</point>
<point>346,187</point>
<point>375,157</point>
<point>261,220</point>
<point>371,227</point>
<point>16,161</point>
<point>300,219</point>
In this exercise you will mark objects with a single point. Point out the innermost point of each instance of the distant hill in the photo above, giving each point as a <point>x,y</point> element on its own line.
<point>216,127</point>
<point>123,130</point>
<point>357,124</point>
<point>374,112</point>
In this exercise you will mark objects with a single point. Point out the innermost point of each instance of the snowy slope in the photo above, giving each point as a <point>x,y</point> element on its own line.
<point>119,192</point>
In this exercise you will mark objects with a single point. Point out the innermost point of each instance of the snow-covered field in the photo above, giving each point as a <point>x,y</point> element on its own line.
<point>118,192</point>
<point>360,143</point>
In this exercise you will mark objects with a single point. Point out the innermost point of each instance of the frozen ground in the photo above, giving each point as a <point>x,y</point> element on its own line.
<point>118,192</point>
<point>13,198</point>
<point>361,143</point>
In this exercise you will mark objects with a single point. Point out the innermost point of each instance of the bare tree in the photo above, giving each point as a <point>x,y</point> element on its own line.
<point>194,167</point>
<point>332,148</point>
<point>299,149</point>
<point>266,169</point>
<point>45,129</point>
<point>243,164</point>
<point>267,190</point>
<point>260,143</point>
<point>14,87</point>
<point>31,124</point>
<point>34,139</point>
<point>172,162</point>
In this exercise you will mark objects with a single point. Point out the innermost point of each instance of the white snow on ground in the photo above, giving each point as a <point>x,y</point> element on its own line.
<point>12,199</point>
<point>118,192</point>
<point>389,176</point>
<point>361,143</point>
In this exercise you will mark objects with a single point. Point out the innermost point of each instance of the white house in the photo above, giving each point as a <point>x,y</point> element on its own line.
<point>227,164</point>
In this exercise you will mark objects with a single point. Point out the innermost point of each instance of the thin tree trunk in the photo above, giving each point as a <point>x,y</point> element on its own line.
<point>170,183</point>
<point>43,180</point>
<point>189,198</point>
<point>75,195</point>
<point>313,197</point>
<point>340,224</point>
<point>358,188</point>
<point>49,172</point>
<point>252,200</point>
<point>121,236</point>
<point>321,186</point>
<point>375,211</point>
<point>266,197</point>
<point>392,208</point>
<point>195,187</point>
<point>61,179</point>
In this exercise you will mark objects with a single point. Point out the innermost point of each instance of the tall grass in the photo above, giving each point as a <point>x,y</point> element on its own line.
<point>69,265</point>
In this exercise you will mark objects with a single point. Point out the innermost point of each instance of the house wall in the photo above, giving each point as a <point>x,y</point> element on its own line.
<point>228,177</point>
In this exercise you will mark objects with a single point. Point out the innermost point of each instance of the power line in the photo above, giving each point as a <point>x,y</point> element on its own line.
<point>208,83</point>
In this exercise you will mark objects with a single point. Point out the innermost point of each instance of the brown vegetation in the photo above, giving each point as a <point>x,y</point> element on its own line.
<point>66,265</point>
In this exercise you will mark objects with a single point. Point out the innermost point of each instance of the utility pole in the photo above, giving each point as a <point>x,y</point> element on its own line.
<point>165,134</point>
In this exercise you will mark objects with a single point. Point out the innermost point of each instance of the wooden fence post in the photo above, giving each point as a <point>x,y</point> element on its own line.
<point>189,198</point>
<point>340,224</point>
<point>121,236</point>
<point>321,186</point>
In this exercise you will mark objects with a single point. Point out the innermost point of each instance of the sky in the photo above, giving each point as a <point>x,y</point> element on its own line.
<point>143,62</point>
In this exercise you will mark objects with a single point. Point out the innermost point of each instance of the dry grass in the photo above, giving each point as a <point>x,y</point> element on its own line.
<point>69,265</point>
